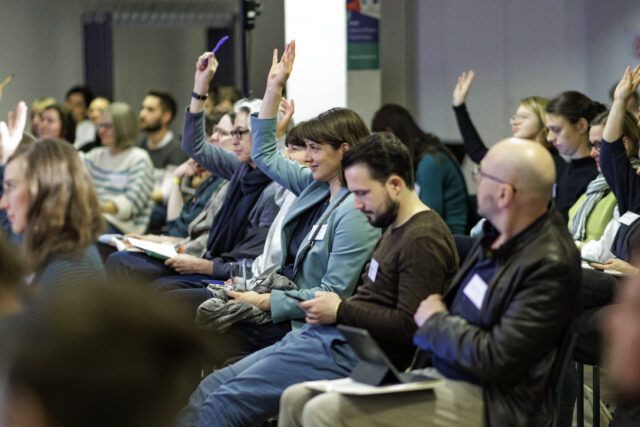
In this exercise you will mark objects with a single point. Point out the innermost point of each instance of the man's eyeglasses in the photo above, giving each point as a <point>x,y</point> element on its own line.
<point>237,133</point>
<point>595,145</point>
<point>476,172</point>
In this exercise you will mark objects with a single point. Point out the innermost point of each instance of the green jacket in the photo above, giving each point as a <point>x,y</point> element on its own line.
<point>335,261</point>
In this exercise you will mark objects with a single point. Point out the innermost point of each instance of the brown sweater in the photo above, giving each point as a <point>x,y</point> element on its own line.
<point>414,260</point>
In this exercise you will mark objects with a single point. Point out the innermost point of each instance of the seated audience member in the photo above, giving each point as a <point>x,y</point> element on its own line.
<point>74,366</point>
<point>439,180</point>
<point>568,118</point>
<point>121,173</point>
<point>97,107</point>
<point>56,123</point>
<point>157,112</point>
<point>494,335</point>
<point>590,214</point>
<point>240,227</point>
<point>52,205</point>
<point>76,102</point>
<point>600,250</point>
<point>37,107</point>
<point>379,174</point>
<point>528,122</point>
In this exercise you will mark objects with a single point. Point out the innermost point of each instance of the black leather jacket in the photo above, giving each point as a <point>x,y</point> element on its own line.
<point>529,304</point>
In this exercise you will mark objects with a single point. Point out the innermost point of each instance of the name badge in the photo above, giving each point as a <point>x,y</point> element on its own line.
<point>373,270</point>
<point>118,180</point>
<point>628,218</point>
<point>476,290</point>
<point>321,232</point>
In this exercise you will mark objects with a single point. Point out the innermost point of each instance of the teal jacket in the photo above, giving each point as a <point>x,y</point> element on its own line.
<point>335,261</point>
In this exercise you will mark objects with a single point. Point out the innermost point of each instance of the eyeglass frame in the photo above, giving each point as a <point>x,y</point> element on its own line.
<point>239,133</point>
<point>595,145</point>
<point>477,171</point>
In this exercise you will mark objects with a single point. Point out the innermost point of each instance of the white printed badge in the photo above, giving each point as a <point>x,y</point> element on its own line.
<point>476,290</point>
<point>628,218</point>
<point>118,180</point>
<point>373,270</point>
<point>321,232</point>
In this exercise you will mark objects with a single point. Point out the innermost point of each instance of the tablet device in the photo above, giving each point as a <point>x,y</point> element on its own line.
<point>374,368</point>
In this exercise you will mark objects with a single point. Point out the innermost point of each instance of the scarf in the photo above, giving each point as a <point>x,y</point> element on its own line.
<point>231,222</point>
<point>596,190</point>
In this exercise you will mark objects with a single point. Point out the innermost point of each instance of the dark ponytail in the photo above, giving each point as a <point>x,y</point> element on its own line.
<point>574,105</point>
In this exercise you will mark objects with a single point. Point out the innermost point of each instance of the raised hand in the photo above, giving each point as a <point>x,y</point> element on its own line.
<point>287,108</point>
<point>462,87</point>
<point>206,67</point>
<point>12,131</point>
<point>628,84</point>
<point>281,70</point>
<point>188,168</point>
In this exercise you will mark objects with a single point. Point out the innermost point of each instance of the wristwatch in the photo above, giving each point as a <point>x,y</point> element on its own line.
<point>198,96</point>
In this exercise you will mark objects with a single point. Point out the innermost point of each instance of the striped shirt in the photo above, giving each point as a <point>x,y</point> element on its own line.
<point>126,179</point>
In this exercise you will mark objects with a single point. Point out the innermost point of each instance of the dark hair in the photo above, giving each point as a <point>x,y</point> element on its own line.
<point>630,129</point>
<point>335,127</point>
<point>84,352</point>
<point>86,93</point>
<point>68,130</point>
<point>212,118</point>
<point>384,155</point>
<point>167,103</point>
<point>397,119</point>
<point>574,105</point>
<point>294,136</point>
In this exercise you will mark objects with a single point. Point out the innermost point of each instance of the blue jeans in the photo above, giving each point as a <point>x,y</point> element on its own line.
<point>248,392</point>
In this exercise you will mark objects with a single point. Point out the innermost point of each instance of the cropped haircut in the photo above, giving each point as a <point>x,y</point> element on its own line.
<point>574,105</point>
<point>294,136</point>
<point>86,93</point>
<point>384,155</point>
<point>67,123</point>
<point>64,213</point>
<point>125,125</point>
<point>167,103</point>
<point>630,129</point>
<point>335,127</point>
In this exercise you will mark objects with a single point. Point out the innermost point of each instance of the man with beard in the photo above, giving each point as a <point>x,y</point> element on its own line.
<point>415,258</point>
<point>157,113</point>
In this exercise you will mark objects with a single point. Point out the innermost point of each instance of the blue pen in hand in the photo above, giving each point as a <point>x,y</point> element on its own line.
<point>218,46</point>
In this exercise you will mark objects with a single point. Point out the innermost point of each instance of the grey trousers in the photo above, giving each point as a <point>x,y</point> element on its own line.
<point>453,403</point>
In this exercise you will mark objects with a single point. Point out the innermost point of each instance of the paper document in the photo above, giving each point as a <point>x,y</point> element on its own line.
<point>158,250</point>
<point>349,386</point>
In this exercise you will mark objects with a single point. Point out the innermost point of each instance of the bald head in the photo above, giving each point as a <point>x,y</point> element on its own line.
<point>524,163</point>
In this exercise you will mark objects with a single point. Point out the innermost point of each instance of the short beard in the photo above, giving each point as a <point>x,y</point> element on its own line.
<point>151,128</point>
<point>390,214</point>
